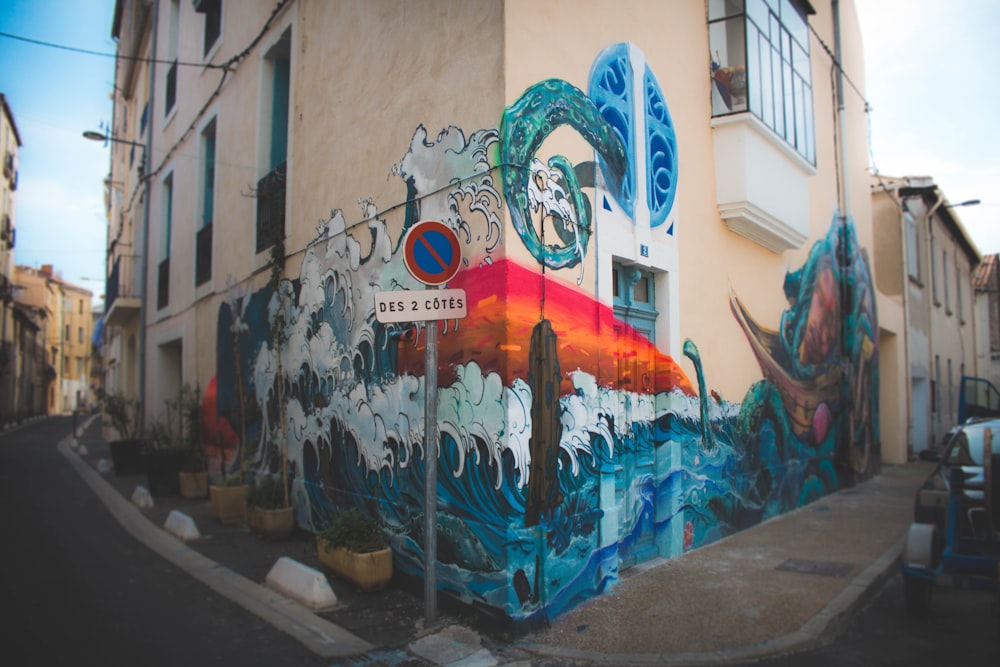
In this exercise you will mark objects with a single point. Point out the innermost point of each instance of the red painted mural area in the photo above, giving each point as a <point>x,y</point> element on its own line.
<point>506,301</point>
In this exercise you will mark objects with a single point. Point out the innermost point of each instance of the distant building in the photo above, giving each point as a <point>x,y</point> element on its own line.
<point>32,373</point>
<point>10,142</point>
<point>69,327</point>
<point>925,262</point>
<point>987,287</point>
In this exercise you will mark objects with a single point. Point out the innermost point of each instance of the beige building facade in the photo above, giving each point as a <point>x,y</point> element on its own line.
<point>925,266</point>
<point>10,142</point>
<point>65,310</point>
<point>661,324</point>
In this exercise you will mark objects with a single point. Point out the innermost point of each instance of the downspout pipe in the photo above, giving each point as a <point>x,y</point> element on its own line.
<point>845,193</point>
<point>843,260</point>
<point>143,277</point>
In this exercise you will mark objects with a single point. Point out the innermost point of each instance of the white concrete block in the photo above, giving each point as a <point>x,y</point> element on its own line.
<point>301,583</point>
<point>454,645</point>
<point>82,450</point>
<point>141,498</point>
<point>181,526</point>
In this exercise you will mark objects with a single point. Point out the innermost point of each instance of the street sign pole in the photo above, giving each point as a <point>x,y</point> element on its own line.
<point>430,471</point>
<point>433,255</point>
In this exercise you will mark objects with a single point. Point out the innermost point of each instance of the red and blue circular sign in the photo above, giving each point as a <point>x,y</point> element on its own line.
<point>432,253</point>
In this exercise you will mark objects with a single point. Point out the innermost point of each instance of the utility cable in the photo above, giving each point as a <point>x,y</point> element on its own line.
<point>102,54</point>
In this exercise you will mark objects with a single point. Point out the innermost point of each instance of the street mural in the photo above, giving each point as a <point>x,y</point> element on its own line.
<point>562,457</point>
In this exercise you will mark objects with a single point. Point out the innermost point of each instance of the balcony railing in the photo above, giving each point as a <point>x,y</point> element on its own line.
<point>163,285</point>
<point>271,208</point>
<point>171,92</point>
<point>203,255</point>
<point>123,290</point>
<point>123,282</point>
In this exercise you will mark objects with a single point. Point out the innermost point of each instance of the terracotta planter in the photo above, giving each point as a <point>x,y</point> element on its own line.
<point>193,484</point>
<point>229,503</point>
<point>271,524</point>
<point>367,571</point>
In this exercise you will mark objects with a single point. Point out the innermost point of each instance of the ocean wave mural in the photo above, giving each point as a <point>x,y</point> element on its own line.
<point>557,466</point>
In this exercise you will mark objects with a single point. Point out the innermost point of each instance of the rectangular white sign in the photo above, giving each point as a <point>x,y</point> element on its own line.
<point>420,305</point>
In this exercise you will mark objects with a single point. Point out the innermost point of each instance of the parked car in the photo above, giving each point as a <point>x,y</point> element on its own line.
<point>956,531</point>
<point>963,446</point>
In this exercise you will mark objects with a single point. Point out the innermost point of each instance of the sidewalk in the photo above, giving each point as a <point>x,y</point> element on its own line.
<point>786,585</point>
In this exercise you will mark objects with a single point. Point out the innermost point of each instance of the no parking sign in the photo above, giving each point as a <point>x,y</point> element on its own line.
<point>431,252</point>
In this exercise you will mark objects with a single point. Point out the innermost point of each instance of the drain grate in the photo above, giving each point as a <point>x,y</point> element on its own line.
<point>818,567</point>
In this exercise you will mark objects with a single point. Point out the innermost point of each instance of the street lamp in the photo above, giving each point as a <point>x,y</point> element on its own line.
<point>940,204</point>
<point>98,136</point>
<point>967,202</point>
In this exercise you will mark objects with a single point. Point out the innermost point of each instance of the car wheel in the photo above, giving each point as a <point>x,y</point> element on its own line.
<point>917,595</point>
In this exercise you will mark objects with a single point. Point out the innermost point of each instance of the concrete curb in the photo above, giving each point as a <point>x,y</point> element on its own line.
<point>818,631</point>
<point>323,638</point>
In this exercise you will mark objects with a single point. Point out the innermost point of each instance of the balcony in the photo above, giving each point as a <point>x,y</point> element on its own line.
<point>203,255</point>
<point>762,184</point>
<point>122,291</point>
<point>271,208</point>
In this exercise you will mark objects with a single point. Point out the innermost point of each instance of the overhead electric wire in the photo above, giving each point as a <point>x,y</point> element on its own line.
<point>101,54</point>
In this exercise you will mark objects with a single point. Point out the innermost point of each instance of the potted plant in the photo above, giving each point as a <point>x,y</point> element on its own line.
<point>267,509</point>
<point>126,451</point>
<point>193,476</point>
<point>228,493</point>
<point>352,547</point>
<point>269,512</point>
<point>163,458</point>
<point>228,498</point>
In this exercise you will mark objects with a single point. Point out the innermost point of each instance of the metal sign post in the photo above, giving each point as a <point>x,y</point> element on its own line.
<point>430,471</point>
<point>432,254</point>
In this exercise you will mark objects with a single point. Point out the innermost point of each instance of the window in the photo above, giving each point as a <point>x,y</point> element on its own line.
<point>951,391</point>
<point>203,240</point>
<point>958,292</point>
<point>271,188</point>
<point>760,62</point>
<point>212,9</point>
<point>944,286</point>
<point>629,97</point>
<point>79,367</point>
<point>163,275</point>
<point>79,335</point>
<point>635,298</point>
<point>936,386</point>
<point>66,337</point>
<point>934,273</point>
<point>170,95</point>
<point>912,246</point>
<point>81,306</point>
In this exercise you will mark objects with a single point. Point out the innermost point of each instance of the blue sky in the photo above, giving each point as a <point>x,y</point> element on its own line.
<point>933,86</point>
<point>55,95</point>
<point>930,78</point>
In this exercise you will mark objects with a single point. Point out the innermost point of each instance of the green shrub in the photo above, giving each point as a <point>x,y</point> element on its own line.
<point>266,493</point>
<point>353,530</point>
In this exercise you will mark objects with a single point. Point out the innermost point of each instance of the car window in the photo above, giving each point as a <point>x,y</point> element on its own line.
<point>967,448</point>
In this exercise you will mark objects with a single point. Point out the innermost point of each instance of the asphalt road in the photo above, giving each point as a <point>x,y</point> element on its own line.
<point>75,589</point>
<point>958,630</point>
